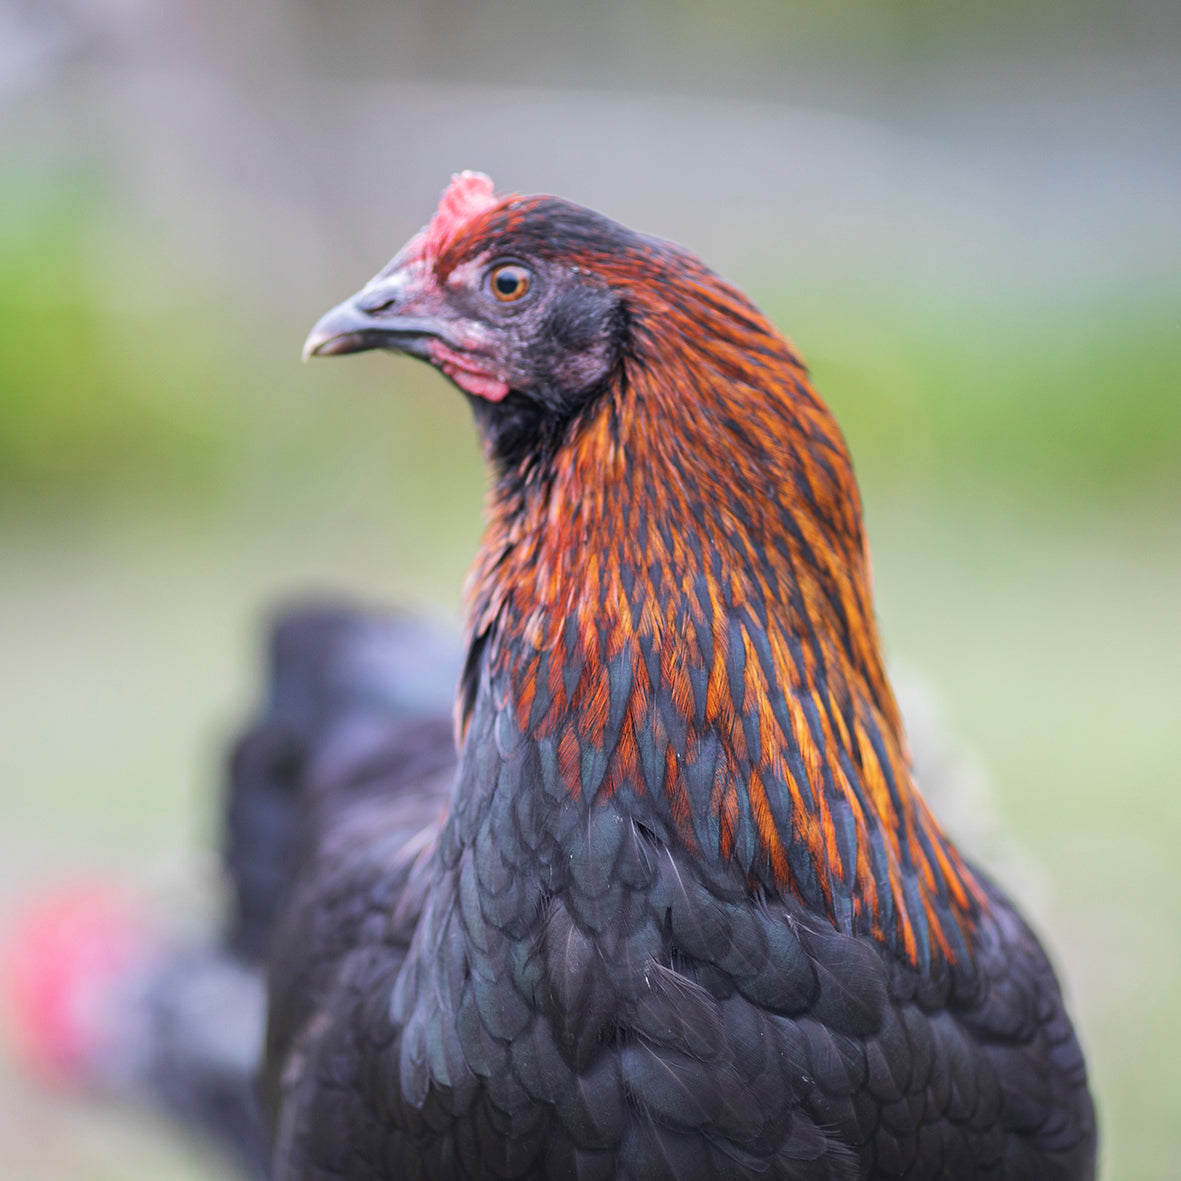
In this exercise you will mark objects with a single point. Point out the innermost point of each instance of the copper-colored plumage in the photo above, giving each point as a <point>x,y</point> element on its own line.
<point>686,914</point>
<point>711,465</point>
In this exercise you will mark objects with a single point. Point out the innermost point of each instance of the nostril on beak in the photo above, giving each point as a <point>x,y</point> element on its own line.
<point>379,306</point>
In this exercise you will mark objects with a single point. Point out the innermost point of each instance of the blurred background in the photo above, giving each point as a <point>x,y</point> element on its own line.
<point>968,218</point>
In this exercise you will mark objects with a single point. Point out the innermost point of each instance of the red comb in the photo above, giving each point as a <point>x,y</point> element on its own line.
<point>468,194</point>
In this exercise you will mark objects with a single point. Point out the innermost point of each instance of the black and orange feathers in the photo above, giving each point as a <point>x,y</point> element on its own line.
<point>687,915</point>
<point>680,606</point>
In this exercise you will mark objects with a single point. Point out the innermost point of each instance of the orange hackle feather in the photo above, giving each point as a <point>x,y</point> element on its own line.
<point>706,503</point>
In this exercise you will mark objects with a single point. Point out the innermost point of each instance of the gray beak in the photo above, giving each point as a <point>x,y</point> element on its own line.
<point>371,320</point>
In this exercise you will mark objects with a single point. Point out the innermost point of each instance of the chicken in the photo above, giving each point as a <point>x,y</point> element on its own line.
<point>110,995</point>
<point>350,692</point>
<point>685,914</point>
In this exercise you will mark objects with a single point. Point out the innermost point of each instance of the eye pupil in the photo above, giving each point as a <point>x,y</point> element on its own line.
<point>509,283</point>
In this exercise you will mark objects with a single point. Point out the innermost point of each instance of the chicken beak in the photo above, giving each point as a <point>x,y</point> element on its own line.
<point>371,319</point>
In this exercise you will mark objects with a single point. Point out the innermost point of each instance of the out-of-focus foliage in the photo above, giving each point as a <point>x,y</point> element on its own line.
<point>769,45</point>
<point>1051,398</point>
<point>102,388</point>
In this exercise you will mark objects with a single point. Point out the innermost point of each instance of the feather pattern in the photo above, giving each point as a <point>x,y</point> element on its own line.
<point>704,577</point>
<point>686,915</point>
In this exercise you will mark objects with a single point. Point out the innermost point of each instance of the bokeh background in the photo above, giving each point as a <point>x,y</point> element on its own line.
<point>967,216</point>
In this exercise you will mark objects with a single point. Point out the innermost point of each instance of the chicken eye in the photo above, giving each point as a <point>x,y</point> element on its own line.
<point>509,282</point>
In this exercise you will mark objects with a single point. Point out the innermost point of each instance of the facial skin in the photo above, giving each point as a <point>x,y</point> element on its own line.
<point>528,338</point>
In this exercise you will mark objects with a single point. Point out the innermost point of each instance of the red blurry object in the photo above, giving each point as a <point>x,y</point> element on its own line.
<point>66,973</point>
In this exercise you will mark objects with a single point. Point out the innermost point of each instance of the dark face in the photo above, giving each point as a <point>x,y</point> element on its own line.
<point>529,336</point>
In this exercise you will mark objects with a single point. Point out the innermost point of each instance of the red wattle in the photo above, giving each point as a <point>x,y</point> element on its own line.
<point>459,367</point>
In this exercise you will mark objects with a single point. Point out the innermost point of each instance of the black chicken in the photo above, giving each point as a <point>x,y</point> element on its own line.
<point>686,914</point>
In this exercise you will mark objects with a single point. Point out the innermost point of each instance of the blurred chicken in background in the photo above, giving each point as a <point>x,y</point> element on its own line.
<point>107,994</point>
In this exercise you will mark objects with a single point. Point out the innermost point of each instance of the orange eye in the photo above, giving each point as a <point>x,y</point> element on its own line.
<point>509,282</point>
